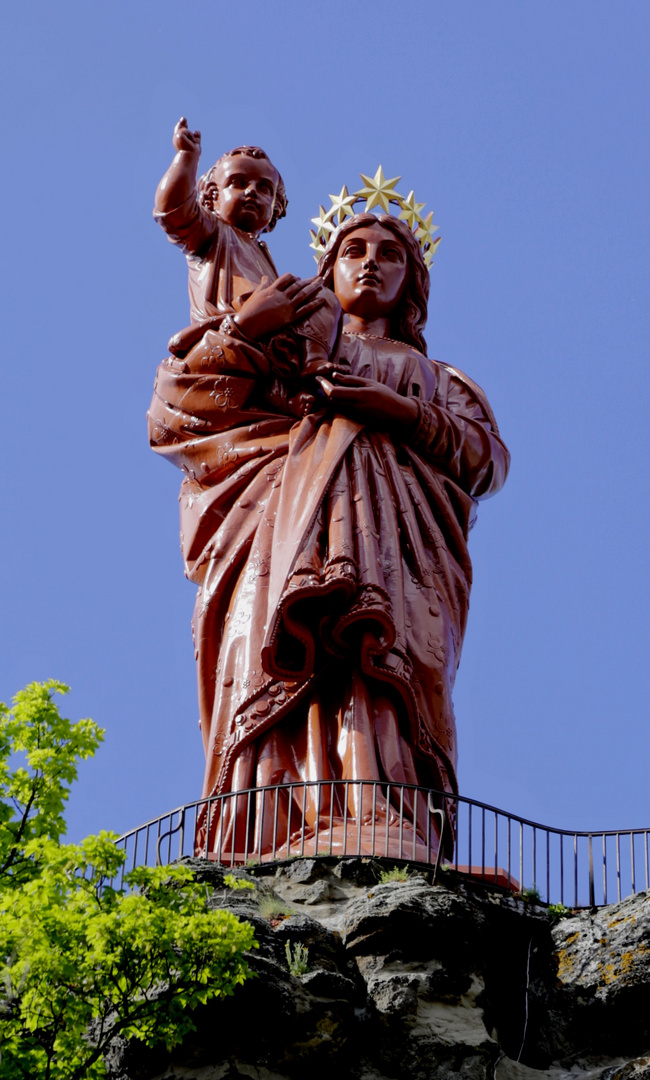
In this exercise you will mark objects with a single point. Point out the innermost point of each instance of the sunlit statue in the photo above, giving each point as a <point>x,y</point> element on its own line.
<point>330,549</point>
<point>218,224</point>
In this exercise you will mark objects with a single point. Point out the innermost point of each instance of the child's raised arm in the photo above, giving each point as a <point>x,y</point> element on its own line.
<point>179,182</point>
<point>178,209</point>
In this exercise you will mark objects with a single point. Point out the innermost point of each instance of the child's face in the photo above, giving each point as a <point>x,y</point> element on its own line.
<point>246,192</point>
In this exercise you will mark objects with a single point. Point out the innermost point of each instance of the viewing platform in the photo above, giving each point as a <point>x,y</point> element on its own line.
<point>405,824</point>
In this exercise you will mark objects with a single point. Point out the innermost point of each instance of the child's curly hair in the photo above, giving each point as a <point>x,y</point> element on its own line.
<point>208,190</point>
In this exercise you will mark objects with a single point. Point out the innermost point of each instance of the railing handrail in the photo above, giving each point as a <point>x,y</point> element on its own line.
<point>585,833</point>
<point>480,840</point>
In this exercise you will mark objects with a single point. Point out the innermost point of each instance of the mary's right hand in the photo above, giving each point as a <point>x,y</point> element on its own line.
<point>370,402</point>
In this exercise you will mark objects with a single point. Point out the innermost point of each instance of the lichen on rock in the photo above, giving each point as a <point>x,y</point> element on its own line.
<point>406,979</point>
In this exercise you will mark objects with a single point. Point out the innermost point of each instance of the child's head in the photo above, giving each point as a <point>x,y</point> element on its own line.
<point>245,189</point>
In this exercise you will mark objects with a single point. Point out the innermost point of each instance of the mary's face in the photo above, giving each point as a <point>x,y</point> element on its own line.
<point>370,272</point>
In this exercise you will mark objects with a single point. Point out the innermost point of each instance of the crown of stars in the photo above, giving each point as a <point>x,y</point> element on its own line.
<point>381,193</point>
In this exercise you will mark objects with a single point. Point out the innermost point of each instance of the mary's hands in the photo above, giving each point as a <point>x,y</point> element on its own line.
<point>371,403</point>
<point>277,304</point>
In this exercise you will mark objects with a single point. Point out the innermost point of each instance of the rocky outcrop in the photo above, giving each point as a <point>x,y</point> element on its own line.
<point>412,980</point>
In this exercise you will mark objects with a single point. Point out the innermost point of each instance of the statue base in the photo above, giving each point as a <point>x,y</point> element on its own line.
<point>343,839</point>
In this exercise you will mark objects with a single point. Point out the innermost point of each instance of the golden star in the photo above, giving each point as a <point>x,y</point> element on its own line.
<point>323,222</point>
<point>426,229</point>
<point>411,210</point>
<point>342,204</point>
<point>317,243</point>
<point>378,190</point>
<point>428,255</point>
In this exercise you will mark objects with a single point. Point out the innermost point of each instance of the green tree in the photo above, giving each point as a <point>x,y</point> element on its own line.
<point>81,961</point>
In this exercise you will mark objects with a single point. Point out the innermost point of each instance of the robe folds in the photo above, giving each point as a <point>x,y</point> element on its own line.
<point>332,569</point>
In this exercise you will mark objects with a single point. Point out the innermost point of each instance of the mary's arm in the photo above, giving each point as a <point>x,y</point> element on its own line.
<point>458,432</point>
<point>208,392</point>
<point>455,430</point>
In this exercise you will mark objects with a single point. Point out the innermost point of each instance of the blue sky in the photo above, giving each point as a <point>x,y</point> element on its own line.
<point>524,125</point>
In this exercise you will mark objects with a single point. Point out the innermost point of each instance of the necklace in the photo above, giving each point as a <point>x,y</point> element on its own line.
<point>372,337</point>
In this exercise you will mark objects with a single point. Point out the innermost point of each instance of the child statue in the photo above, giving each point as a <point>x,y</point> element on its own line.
<point>233,283</point>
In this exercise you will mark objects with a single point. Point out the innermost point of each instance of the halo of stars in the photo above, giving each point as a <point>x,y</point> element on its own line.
<point>378,191</point>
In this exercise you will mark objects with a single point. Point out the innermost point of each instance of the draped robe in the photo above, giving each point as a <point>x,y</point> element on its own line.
<point>332,569</point>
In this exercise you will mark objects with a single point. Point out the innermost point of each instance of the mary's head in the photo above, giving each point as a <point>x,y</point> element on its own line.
<point>374,265</point>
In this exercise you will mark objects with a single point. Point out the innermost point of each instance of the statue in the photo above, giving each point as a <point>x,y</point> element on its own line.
<point>218,225</point>
<point>329,551</point>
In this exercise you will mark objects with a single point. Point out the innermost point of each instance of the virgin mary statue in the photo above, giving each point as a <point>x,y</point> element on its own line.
<point>330,555</point>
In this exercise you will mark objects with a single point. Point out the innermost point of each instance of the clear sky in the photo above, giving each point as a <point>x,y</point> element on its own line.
<point>524,126</point>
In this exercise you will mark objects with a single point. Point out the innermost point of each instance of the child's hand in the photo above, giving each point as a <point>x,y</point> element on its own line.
<point>301,404</point>
<point>274,305</point>
<point>326,367</point>
<point>184,139</point>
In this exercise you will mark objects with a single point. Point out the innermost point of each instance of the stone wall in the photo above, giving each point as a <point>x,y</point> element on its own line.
<point>411,980</point>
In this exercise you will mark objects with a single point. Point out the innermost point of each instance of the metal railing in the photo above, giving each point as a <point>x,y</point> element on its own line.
<point>399,821</point>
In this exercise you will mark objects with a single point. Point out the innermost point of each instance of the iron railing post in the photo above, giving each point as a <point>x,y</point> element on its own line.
<point>402,802</point>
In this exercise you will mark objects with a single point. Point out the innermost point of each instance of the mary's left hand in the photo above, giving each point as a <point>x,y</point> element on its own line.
<point>371,403</point>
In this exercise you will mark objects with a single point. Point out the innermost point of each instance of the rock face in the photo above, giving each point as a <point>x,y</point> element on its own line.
<point>406,979</point>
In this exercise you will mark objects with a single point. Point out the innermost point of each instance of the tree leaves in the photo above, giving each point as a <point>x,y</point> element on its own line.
<point>82,962</point>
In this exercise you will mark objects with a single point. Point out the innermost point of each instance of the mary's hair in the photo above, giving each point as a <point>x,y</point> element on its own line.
<point>208,190</point>
<point>410,317</point>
